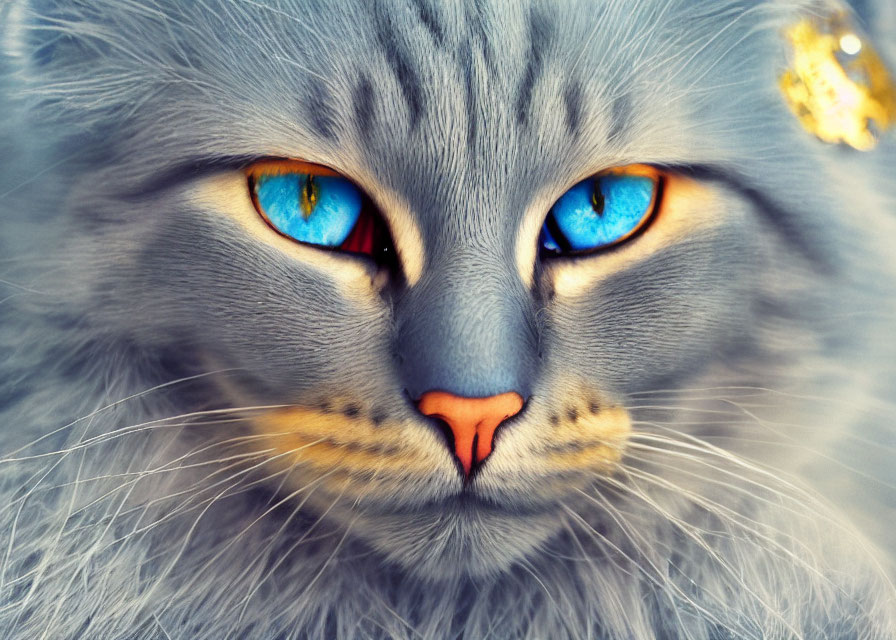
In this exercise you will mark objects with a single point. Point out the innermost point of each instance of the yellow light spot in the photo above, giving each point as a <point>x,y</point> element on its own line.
<point>838,100</point>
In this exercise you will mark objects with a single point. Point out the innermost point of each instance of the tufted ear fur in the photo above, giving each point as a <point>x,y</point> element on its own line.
<point>52,56</point>
<point>44,34</point>
<point>41,46</point>
<point>54,99</point>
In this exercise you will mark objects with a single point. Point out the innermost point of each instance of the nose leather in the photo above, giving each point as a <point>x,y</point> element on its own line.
<point>473,421</point>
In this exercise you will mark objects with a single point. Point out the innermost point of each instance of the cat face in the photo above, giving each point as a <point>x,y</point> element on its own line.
<point>463,125</point>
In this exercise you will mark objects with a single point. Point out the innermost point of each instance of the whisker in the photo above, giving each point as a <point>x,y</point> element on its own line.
<point>116,403</point>
<point>653,579</point>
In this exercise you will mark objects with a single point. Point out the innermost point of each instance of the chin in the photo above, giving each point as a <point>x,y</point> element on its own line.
<point>457,539</point>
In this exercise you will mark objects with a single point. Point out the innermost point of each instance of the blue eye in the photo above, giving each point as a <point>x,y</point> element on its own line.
<point>599,212</point>
<point>317,209</point>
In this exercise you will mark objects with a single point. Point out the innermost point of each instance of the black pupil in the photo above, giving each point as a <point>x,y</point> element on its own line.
<point>597,198</point>
<point>308,196</point>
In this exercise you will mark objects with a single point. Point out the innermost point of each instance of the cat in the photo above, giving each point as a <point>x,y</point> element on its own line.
<point>478,420</point>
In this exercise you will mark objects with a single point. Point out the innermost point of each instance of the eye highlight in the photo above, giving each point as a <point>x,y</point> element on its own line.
<point>602,211</point>
<point>315,205</point>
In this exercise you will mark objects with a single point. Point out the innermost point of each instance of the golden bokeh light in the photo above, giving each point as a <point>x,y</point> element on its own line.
<point>836,84</point>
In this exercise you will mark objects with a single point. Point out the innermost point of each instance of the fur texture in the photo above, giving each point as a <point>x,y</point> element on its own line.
<point>205,430</point>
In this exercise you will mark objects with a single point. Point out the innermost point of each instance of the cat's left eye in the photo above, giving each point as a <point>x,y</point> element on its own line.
<point>602,211</point>
<point>315,205</point>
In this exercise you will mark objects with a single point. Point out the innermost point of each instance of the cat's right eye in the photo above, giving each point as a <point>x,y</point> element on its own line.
<point>315,205</point>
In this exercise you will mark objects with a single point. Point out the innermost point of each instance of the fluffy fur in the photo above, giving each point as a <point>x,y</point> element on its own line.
<point>146,332</point>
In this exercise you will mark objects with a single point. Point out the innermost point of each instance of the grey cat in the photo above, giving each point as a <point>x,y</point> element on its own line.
<point>209,430</point>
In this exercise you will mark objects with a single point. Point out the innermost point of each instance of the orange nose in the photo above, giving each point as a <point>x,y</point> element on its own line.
<point>473,421</point>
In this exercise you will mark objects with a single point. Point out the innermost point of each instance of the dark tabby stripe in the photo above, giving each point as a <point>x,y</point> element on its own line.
<point>541,32</point>
<point>320,110</point>
<point>364,107</point>
<point>430,20</point>
<point>620,118</point>
<point>401,63</point>
<point>572,99</point>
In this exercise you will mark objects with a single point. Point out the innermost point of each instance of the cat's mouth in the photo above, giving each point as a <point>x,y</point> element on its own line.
<point>464,534</point>
<point>464,503</point>
<point>383,469</point>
